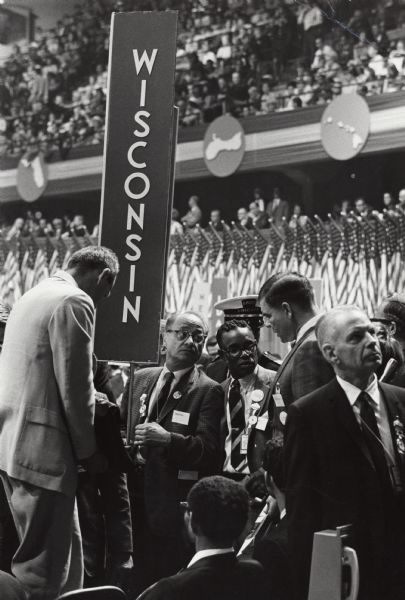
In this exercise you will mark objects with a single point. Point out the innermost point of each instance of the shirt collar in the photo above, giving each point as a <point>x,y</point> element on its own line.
<point>352,392</point>
<point>210,552</point>
<point>177,374</point>
<point>245,381</point>
<point>283,514</point>
<point>304,328</point>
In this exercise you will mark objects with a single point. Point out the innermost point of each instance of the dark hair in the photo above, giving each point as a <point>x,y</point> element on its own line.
<point>230,326</point>
<point>220,509</point>
<point>393,308</point>
<point>92,258</point>
<point>288,287</point>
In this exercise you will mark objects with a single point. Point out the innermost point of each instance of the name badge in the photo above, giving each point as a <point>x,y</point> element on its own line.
<point>244,443</point>
<point>180,417</point>
<point>262,423</point>
<point>188,475</point>
<point>278,400</point>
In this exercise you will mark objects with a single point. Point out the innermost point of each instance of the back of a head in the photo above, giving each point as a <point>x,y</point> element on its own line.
<point>219,508</point>
<point>94,258</point>
<point>293,288</point>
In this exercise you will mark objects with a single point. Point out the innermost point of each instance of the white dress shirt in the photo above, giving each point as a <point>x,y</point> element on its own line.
<point>160,383</point>
<point>210,552</point>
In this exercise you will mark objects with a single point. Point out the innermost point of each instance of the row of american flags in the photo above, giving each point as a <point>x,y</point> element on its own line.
<point>360,260</point>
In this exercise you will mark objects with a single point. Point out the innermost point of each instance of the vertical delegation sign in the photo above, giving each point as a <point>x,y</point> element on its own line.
<point>136,191</point>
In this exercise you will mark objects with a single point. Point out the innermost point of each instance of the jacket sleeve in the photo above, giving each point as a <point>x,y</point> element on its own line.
<point>302,501</point>
<point>201,451</point>
<point>70,333</point>
<point>310,370</point>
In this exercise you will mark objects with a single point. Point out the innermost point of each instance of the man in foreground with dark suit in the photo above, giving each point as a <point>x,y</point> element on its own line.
<point>344,459</point>
<point>245,425</point>
<point>217,511</point>
<point>174,421</point>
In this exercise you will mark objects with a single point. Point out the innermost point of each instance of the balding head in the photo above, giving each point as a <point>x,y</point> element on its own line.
<point>348,341</point>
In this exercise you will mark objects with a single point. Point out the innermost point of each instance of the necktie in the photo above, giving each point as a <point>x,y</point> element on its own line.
<point>237,414</point>
<point>372,438</point>
<point>162,398</point>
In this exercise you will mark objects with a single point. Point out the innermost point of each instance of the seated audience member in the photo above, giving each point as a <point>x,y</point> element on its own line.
<point>259,217</point>
<point>244,219</point>
<point>10,589</point>
<point>271,547</point>
<point>216,514</point>
<point>176,228</point>
<point>193,216</point>
<point>216,220</point>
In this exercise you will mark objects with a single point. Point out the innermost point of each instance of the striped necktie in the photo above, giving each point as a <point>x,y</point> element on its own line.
<point>238,424</point>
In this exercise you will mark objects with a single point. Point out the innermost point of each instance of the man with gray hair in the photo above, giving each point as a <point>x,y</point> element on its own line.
<point>47,418</point>
<point>175,413</point>
<point>344,459</point>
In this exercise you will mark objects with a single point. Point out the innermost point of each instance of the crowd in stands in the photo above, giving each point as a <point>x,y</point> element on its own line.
<point>247,57</point>
<point>259,214</point>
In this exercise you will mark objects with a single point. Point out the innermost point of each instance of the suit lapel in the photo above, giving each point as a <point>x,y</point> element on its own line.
<point>178,392</point>
<point>346,417</point>
<point>148,385</point>
<point>287,360</point>
<point>395,411</point>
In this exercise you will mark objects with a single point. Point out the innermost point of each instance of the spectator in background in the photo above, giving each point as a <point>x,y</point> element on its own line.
<point>388,201</point>
<point>360,50</point>
<point>176,228</point>
<point>215,220</point>
<point>269,99</point>
<point>258,198</point>
<point>311,19</point>
<point>401,199</point>
<point>277,209</point>
<point>194,215</point>
<point>212,347</point>
<point>259,217</point>
<point>361,208</point>
<point>244,219</point>
<point>396,56</point>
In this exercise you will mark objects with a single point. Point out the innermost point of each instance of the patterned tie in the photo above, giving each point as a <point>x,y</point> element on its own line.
<point>372,438</point>
<point>162,398</point>
<point>238,424</point>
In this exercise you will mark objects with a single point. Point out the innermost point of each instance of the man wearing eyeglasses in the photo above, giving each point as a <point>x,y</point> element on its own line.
<point>245,425</point>
<point>175,414</point>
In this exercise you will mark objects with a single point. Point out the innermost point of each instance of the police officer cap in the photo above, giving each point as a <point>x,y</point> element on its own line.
<point>240,307</point>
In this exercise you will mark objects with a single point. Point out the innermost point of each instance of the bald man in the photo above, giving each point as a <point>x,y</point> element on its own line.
<point>344,457</point>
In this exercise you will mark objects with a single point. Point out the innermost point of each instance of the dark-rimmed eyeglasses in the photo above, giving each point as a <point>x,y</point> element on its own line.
<point>183,334</point>
<point>237,351</point>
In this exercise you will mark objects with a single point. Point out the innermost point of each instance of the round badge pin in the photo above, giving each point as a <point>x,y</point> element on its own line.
<point>257,395</point>
<point>176,395</point>
<point>252,420</point>
<point>255,406</point>
<point>283,417</point>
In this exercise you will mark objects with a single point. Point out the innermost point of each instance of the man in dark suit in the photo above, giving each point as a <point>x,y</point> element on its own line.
<point>246,404</point>
<point>241,307</point>
<point>217,511</point>
<point>288,306</point>
<point>344,458</point>
<point>277,209</point>
<point>174,418</point>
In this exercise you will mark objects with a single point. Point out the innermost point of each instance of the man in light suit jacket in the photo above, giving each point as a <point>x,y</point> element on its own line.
<point>344,460</point>
<point>288,306</point>
<point>243,459</point>
<point>174,421</point>
<point>217,511</point>
<point>47,413</point>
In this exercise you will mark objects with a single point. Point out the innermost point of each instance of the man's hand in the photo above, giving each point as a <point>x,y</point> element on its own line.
<point>255,485</point>
<point>151,434</point>
<point>96,463</point>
